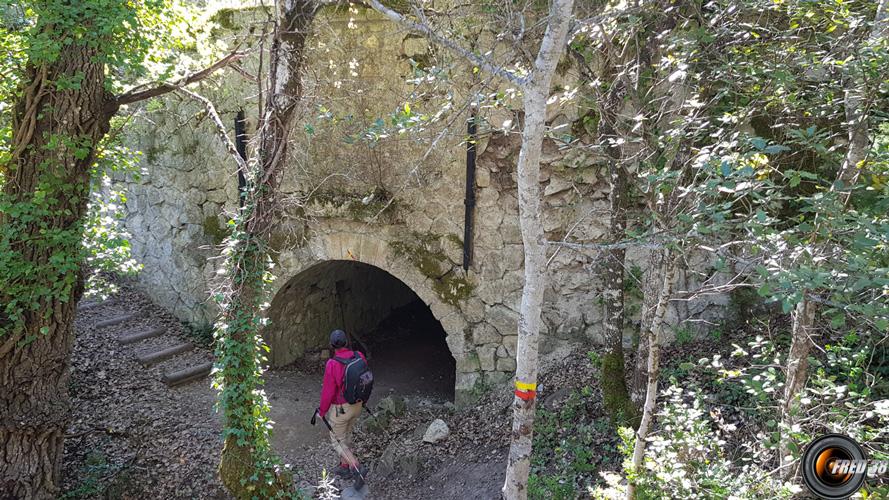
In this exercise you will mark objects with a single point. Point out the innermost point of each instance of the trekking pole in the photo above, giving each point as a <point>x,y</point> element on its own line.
<point>342,449</point>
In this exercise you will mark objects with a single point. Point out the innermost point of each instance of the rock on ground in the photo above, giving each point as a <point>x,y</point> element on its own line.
<point>436,431</point>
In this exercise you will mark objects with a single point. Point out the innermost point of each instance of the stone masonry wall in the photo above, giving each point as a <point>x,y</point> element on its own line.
<point>357,189</point>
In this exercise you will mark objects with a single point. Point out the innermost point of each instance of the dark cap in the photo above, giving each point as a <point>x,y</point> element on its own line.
<point>338,338</point>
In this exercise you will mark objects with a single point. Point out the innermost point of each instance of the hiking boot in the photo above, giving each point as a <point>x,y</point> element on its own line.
<point>342,471</point>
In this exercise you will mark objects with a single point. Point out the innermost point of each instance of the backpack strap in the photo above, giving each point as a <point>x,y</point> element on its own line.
<point>346,361</point>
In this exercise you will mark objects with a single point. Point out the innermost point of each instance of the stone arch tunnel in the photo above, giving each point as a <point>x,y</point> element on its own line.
<point>385,319</point>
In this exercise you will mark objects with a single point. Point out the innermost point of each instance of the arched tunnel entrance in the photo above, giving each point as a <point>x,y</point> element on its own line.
<point>385,319</point>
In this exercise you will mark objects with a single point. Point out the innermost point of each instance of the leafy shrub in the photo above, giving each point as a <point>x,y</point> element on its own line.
<point>687,458</point>
<point>570,444</point>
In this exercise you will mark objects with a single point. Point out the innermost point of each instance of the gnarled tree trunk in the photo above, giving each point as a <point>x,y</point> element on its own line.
<point>34,353</point>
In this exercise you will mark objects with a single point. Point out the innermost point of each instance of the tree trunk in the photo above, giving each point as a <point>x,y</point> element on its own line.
<point>651,293</point>
<point>49,184</point>
<point>654,356</point>
<point>797,367</point>
<point>804,313</point>
<point>535,95</point>
<point>615,396</point>
<point>246,448</point>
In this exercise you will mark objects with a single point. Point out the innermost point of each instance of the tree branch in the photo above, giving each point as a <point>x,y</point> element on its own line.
<point>220,127</point>
<point>135,96</point>
<point>451,45</point>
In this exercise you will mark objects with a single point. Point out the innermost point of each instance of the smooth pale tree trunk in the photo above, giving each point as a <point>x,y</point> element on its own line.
<point>240,390</point>
<point>34,358</point>
<point>653,368</point>
<point>651,291</point>
<point>803,319</point>
<point>535,89</point>
<point>535,96</point>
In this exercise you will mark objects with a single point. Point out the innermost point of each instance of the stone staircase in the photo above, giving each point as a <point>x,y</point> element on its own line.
<point>177,361</point>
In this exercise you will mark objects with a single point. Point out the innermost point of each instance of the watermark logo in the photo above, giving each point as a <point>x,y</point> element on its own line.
<point>834,467</point>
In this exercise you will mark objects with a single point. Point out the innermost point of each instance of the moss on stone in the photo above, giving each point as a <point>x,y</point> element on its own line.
<point>453,290</point>
<point>214,230</point>
<point>423,250</point>
<point>468,363</point>
<point>456,240</point>
<point>226,17</point>
<point>616,398</point>
<point>283,240</point>
<point>356,206</point>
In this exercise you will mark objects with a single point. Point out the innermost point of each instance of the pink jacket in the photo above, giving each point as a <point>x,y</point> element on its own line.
<point>334,372</point>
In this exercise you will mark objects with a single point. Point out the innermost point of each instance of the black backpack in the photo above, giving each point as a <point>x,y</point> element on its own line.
<point>358,380</point>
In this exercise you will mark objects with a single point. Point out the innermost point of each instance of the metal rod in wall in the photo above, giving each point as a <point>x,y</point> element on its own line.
<point>241,146</point>
<point>469,200</point>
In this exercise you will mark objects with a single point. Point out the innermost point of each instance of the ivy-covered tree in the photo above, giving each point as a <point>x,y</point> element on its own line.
<point>65,65</point>
<point>249,468</point>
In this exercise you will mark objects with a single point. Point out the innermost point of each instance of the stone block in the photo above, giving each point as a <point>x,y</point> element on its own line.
<point>467,362</point>
<point>486,356</point>
<point>506,365</point>
<point>510,231</point>
<point>499,377</point>
<point>482,178</point>
<point>474,309</point>
<point>437,431</point>
<point>503,319</point>
<point>415,46</point>
<point>484,333</point>
<point>510,342</point>
<point>456,343</point>
<point>466,381</point>
<point>557,185</point>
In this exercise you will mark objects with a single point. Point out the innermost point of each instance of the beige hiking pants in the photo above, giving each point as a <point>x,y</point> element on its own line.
<point>342,422</point>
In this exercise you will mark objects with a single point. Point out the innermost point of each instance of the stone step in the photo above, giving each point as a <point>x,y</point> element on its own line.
<point>85,306</point>
<point>145,334</point>
<point>113,321</point>
<point>178,377</point>
<point>158,356</point>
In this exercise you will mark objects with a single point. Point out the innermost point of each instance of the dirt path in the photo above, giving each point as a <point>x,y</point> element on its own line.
<point>132,436</point>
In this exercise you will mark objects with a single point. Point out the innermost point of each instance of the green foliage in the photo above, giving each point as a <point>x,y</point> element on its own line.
<point>214,230</point>
<point>684,336</point>
<point>102,479</point>
<point>106,243</point>
<point>687,457</point>
<point>133,41</point>
<point>570,445</point>
<point>699,452</point>
<point>99,241</point>
<point>240,359</point>
<point>201,333</point>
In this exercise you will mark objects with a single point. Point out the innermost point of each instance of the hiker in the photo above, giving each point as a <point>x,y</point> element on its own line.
<point>346,378</point>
